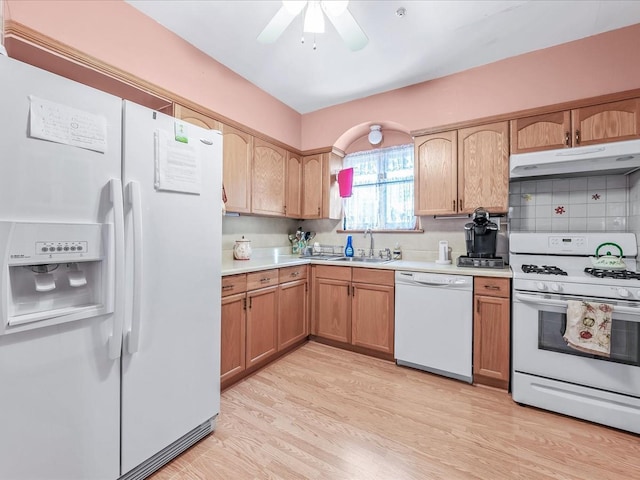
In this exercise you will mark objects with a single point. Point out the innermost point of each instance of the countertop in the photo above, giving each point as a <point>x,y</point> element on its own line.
<point>232,267</point>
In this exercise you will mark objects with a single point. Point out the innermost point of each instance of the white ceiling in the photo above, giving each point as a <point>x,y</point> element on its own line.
<point>433,39</point>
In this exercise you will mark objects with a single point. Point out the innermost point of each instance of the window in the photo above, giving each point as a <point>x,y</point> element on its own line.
<point>382,196</point>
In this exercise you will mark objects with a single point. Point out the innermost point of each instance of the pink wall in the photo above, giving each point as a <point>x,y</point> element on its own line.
<point>597,65</point>
<point>118,34</point>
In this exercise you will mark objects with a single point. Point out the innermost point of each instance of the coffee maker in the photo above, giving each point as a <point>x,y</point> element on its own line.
<point>480,237</point>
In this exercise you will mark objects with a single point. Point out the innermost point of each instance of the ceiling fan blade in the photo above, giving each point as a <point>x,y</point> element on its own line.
<point>280,21</point>
<point>348,29</point>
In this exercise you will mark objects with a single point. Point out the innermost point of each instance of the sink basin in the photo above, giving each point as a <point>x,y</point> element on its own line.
<point>362,260</point>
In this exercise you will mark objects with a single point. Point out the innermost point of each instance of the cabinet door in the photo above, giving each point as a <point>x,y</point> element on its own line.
<point>372,316</point>
<point>292,318</point>
<point>197,118</point>
<point>483,168</point>
<point>541,132</point>
<point>268,179</point>
<point>491,338</point>
<point>435,174</point>
<point>312,186</point>
<point>262,324</point>
<point>237,148</point>
<point>332,316</point>
<point>232,336</point>
<point>293,203</point>
<point>610,122</point>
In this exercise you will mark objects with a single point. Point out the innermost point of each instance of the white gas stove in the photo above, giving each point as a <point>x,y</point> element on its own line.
<point>563,264</point>
<point>552,271</point>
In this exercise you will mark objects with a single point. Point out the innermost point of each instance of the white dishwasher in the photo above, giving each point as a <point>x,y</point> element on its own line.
<point>434,323</point>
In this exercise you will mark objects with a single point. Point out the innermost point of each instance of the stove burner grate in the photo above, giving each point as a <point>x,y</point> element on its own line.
<point>543,270</point>
<point>617,274</point>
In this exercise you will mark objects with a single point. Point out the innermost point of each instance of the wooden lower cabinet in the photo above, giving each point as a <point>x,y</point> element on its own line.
<point>262,324</point>
<point>373,309</point>
<point>292,313</point>
<point>491,331</point>
<point>263,313</point>
<point>333,309</point>
<point>354,306</point>
<point>232,336</point>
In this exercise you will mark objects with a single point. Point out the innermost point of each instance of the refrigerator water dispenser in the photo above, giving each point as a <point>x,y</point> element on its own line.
<point>53,273</point>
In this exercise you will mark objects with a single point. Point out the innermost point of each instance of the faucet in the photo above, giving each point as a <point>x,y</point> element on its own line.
<point>370,232</point>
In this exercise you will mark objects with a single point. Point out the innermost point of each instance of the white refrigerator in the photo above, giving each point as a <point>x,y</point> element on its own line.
<point>110,232</point>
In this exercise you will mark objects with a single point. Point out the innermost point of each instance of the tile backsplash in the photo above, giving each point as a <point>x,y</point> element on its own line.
<point>585,204</point>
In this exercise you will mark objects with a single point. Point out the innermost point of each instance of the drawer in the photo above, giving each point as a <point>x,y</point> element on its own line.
<point>232,284</point>
<point>492,286</point>
<point>264,278</point>
<point>289,274</point>
<point>334,273</point>
<point>372,275</point>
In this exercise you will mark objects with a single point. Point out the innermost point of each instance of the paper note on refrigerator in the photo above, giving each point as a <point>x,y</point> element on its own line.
<point>177,165</point>
<point>62,124</point>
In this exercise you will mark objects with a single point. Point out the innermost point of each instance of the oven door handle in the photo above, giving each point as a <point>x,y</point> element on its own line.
<point>523,297</point>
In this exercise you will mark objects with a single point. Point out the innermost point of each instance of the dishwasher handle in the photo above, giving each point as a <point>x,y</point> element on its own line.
<point>434,280</point>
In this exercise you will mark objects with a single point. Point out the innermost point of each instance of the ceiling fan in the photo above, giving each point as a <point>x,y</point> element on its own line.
<point>335,10</point>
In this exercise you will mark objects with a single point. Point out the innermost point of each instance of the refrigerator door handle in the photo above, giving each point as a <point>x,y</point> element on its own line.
<point>135,201</point>
<point>115,340</point>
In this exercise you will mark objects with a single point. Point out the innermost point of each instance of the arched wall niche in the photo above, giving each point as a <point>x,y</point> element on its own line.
<point>356,139</point>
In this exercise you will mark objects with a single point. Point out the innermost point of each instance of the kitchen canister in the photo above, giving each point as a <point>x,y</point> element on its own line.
<point>242,249</point>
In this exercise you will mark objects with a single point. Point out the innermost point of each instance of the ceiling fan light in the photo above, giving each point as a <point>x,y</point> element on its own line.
<point>294,7</point>
<point>335,8</point>
<point>314,18</point>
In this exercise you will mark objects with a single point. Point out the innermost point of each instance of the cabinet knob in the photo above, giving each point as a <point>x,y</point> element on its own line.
<point>567,138</point>
<point>577,137</point>
<point>454,205</point>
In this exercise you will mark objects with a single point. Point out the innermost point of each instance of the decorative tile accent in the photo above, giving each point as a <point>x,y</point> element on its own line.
<point>594,203</point>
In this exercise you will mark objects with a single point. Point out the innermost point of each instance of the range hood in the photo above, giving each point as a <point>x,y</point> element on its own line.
<point>607,159</point>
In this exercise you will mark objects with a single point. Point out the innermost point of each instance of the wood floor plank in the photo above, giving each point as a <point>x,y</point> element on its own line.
<point>326,413</point>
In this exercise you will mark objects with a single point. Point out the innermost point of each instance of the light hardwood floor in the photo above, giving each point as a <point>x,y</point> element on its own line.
<point>325,413</point>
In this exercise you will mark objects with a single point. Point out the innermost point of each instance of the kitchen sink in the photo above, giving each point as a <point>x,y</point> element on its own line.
<point>362,260</point>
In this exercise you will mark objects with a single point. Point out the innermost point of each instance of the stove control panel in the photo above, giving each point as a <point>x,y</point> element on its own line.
<point>569,243</point>
<point>578,289</point>
<point>565,242</point>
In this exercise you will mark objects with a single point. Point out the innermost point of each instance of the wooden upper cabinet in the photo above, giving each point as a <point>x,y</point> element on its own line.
<point>268,178</point>
<point>237,148</point>
<point>541,132</point>
<point>312,186</point>
<point>607,122</point>
<point>293,200</point>
<point>197,118</point>
<point>331,200</point>
<point>436,174</point>
<point>610,122</point>
<point>483,168</point>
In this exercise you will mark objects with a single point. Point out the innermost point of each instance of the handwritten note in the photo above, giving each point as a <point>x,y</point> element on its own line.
<point>62,124</point>
<point>178,166</point>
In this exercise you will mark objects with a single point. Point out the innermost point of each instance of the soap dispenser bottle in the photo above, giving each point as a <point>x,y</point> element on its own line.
<point>348,250</point>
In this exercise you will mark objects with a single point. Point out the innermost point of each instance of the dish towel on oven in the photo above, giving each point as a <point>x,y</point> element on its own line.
<point>589,327</point>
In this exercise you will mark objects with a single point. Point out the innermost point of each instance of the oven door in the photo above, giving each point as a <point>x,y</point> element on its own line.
<point>539,321</point>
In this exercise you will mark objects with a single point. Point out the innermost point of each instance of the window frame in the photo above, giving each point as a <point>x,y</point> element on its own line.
<point>382,151</point>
